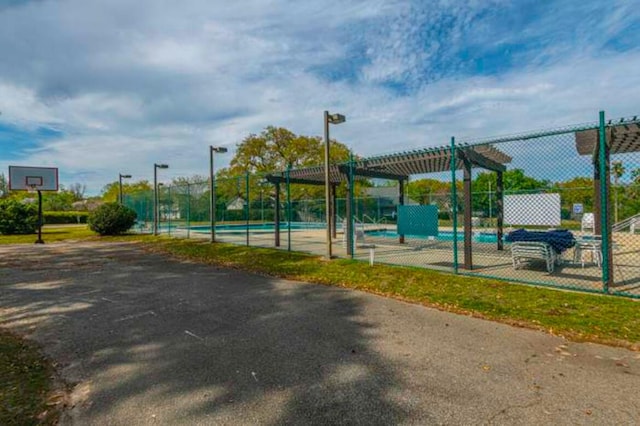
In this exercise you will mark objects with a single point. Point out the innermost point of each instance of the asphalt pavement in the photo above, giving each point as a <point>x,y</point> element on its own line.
<point>144,339</point>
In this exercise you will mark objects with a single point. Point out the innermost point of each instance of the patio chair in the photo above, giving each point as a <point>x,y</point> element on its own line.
<point>533,250</point>
<point>588,222</point>
<point>591,246</point>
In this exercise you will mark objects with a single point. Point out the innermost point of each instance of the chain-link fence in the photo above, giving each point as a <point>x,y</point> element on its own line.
<point>555,208</point>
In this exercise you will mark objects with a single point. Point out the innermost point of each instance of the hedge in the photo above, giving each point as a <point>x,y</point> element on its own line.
<point>65,217</point>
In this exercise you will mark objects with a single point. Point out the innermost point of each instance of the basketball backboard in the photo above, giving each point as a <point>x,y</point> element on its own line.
<point>33,178</point>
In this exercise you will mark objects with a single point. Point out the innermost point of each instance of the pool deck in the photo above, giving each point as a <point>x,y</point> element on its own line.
<point>438,255</point>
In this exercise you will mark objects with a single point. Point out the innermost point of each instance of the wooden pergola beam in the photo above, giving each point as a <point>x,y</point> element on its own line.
<point>344,169</point>
<point>480,160</point>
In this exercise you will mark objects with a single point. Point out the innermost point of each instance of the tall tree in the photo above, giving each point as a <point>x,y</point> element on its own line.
<point>78,190</point>
<point>273,150</point>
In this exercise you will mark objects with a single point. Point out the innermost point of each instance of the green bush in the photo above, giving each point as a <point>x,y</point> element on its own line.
<point>17,217</point>
<point>111,219</point>
<point>65,217</point>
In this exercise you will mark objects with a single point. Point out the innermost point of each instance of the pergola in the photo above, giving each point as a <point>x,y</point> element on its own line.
<point>399,167</point>
<point>621,138</point>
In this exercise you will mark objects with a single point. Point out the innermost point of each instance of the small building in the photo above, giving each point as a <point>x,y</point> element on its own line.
<point>238,203</point>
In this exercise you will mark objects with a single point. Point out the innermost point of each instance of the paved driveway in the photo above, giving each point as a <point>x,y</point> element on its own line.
<point>150,340</point>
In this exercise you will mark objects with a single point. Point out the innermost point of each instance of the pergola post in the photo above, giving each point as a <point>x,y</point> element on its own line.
<point>277,215</point>
<point>334,211</point>
<point>468,253</point>
<point>400,203</point>
<point>499,209</point>
<point>597,202</point>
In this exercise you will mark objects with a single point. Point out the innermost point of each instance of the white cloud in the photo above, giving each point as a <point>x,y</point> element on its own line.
<point>132,83</point>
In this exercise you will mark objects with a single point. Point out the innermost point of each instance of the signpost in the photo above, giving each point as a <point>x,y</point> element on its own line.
<point>578,208</point>
<point>34,179</point>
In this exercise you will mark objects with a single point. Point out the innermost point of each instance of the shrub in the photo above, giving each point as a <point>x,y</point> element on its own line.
<point>111,219</point>
<point>17,217</point>
<point>65,217</point>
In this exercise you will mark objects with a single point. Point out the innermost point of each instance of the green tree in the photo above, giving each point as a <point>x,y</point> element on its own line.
<point>17,217</point>
<point>484,186</point>
<point>578,190</point>
<point>111,190</point>
<point>4,186</point>
<point>426,191</point>
<point>273,150</point>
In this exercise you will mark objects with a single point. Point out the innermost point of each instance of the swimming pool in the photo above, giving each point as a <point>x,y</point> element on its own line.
<point>479,237</point>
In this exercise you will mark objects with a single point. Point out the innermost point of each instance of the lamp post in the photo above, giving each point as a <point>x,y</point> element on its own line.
<point>212,190</point>
<point>155,195</point>
<point>329,119</point>
<point>120,177</point>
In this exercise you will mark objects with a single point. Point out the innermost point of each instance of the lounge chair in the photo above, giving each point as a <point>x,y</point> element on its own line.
<point>547,246</point>
<point>536,250</point>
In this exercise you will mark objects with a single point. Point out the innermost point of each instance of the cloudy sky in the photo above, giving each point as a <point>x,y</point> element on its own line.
<point>101,87</point>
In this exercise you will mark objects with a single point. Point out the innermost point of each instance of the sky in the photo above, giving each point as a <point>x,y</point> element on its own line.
<point>98,88</point>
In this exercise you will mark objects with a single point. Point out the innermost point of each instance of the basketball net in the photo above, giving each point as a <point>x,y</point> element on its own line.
<point>32,188</point>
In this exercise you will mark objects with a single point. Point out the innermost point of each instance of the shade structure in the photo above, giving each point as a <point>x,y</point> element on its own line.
<point>399,166</point>
<point>621,138</point>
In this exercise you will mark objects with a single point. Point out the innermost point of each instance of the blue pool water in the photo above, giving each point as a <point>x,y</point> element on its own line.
<point>479,237</point>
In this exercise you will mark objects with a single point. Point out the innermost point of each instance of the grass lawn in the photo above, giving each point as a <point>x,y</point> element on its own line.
<point>51,234</point>
<point>577,316</point>
<point>25,387</point>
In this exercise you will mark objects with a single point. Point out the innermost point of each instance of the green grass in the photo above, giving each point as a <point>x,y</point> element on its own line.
<point>577,316</point>
<point>51,234</point>
<point>26,385</point>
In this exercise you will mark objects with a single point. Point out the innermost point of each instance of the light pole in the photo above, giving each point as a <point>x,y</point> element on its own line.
<point>212,189</point>
<point>156,215</point>
<point>120,177</point>
<point>329,119</point>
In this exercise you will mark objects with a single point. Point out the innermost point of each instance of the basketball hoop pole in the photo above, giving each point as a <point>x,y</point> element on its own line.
<point>39,240</point>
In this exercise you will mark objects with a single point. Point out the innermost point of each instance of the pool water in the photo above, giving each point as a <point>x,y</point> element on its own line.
<point>479,237</point>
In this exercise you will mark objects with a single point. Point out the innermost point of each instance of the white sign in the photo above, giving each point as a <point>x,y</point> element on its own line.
<point>33,178</point>
<point>532,209</point>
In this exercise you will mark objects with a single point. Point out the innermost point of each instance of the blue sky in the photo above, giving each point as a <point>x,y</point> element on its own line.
<point>97,88</point>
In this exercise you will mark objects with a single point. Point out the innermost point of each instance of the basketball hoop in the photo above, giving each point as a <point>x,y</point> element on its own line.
<point>34,179</point>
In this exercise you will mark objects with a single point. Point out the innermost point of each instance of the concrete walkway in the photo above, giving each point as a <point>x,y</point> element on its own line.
<point>149,340</point>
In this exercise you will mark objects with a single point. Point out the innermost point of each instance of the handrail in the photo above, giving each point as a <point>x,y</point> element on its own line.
<point>617,227</point>
<point>372,220</point>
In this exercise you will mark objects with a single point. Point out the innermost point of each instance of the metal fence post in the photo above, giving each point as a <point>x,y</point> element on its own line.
<point>170,205</point>
<point>188,210</point>
<point>288,209</point>
<point>603,160</point>
<point>247,205</point>
<point>454,205</point>
<point>351,238</point>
